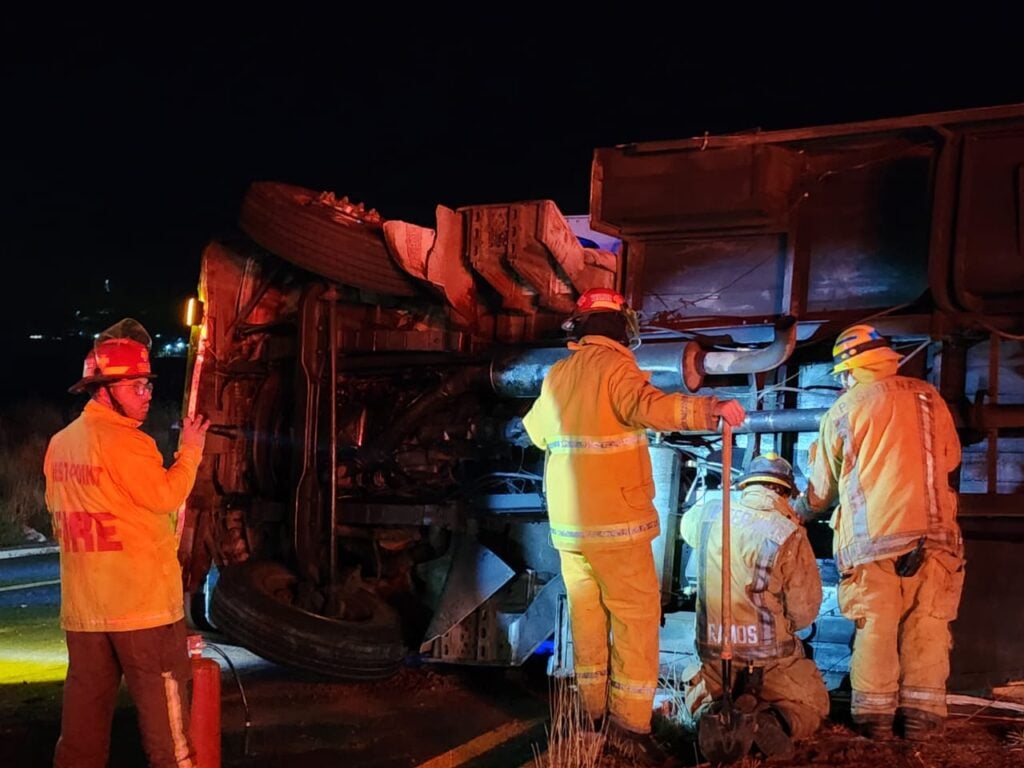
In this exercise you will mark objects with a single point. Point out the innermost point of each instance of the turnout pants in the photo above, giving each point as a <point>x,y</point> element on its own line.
<point>902,642</point>
<point>155,666</point>
<point>615,613</point>
<point>792,685</point>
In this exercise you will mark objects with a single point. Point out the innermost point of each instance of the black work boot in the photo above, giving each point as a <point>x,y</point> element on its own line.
<point>874,727</point>
<point>639,747</point>
<point>918,725</point>
<point>771,734</point>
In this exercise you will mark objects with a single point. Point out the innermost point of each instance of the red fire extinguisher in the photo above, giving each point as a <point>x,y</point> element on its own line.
<point>204,717</point>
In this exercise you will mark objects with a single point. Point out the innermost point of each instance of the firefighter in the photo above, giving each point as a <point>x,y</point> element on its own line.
<point>591,419</point>
<point>776,593</point>
<point>113,507</point>
<point>884,452</point>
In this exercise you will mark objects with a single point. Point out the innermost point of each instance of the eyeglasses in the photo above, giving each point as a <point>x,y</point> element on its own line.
<point>140,388</point>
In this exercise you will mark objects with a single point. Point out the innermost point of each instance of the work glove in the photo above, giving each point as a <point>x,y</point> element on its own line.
<point>802,509</point>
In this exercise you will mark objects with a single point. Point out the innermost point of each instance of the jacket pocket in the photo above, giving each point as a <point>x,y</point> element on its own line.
<point>639,496</point>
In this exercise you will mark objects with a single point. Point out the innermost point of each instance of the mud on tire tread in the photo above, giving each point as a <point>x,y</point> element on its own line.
<point>244,609</point>
<point>276,216</point>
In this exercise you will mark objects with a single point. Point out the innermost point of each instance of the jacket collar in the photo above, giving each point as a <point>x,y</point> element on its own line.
<point>761,498</point>
<point>600,341</point>
<point>94,409</point>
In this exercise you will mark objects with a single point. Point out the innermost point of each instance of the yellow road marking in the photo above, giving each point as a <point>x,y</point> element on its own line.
<point>481,744</point>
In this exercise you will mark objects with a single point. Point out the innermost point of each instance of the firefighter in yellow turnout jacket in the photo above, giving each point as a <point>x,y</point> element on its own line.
<point>121,592</point>
<point>884,452</point>
<point>776,591</point>
<point>591,419</point>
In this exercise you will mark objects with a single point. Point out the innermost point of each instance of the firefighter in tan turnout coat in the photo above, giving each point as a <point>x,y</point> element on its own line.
<point>776,591</point>
<point>121,593</point>
<point>591,419</point>
<point>884,453</point>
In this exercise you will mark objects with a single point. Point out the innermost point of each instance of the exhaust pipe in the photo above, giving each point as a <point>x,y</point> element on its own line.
<point>675,366</point>
<point>720,363</point>
<point>671,364</point>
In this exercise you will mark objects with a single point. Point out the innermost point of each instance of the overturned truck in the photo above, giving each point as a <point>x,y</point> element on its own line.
<point>368,493</point>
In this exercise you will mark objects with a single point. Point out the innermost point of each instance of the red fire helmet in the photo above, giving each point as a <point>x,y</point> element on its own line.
<point>605,300</point>
<point>120,352</point>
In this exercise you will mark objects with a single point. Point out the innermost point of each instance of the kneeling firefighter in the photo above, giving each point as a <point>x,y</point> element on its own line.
<point>776,591</point>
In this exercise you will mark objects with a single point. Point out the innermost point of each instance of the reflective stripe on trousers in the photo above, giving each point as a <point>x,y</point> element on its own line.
<point>156,670</point>
<point>614,612</point>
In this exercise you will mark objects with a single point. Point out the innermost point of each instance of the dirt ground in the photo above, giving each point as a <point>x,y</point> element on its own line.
<point>968,742</point>
<point>975,736</point>
<point>425,717</point>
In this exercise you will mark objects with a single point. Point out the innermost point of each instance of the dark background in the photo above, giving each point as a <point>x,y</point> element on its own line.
<point>129,140</point>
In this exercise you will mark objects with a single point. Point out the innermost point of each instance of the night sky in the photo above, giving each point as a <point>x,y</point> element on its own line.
<point>129,142</point>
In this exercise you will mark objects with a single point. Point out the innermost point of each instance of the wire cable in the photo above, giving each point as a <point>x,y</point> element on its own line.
<point>1003,334</point>
<point>241,693</point>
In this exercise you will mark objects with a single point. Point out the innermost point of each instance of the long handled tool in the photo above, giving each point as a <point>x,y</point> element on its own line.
<point>725,733</point>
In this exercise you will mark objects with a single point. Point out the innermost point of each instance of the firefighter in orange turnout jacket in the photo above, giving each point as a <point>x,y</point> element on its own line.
<point>776,591</point>
<point>591,419</point>
<point>884,452</point>
<point>112,503</point>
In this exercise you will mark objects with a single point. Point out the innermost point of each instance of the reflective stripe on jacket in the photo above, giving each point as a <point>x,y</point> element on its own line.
<point>590,418</point>
<point>885,451</point>
<point>776,586</point>
<point>112,503</point>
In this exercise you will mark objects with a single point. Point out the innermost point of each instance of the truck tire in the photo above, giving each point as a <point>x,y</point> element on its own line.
<point>291,222</point>
<point>244,608</point>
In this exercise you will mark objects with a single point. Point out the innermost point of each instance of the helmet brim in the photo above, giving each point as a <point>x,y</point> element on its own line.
<point>765,478</point>
<point>866,358</point>
<point>87,383</point>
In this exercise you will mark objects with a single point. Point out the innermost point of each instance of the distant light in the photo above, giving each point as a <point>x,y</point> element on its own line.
<point>176,348</point>
<point>106,285</point>
<point>35,336</point>
<point>95,335</point>
<point>156,335</point>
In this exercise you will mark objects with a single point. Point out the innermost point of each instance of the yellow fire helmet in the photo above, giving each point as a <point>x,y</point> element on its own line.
<point>858,346</point>
<point>769,468</point>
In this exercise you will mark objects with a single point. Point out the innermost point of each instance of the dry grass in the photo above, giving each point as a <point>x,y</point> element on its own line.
<point>25,430</point>
<point>673,725</point>
<point>571,741</point>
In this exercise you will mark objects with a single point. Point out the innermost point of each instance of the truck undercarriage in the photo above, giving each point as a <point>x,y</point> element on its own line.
<point>368,493</point>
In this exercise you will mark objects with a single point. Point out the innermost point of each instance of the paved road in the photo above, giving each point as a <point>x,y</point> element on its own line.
<point>423,717</point>
<point>30,581</point>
